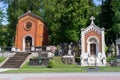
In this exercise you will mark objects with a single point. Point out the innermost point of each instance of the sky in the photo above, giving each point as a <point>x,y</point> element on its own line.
<point>3,7</point>
<point>97,2</point>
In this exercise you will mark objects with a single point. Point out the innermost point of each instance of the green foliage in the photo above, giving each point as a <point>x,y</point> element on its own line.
<point>106,49</point>
<point>17,8</point>
<point>65,18</point>
<point>59,64</point>
<point>109,59</point>
<point>3,31</point>
<point>50,64</point>
<point>116,18</point>
<point>106,17</point>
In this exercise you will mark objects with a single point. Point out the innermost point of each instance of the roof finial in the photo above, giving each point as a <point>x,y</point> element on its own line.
<point>92,19</point>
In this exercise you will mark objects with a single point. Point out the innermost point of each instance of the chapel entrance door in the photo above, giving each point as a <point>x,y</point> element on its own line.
<point>93,49</point>
<point>28,43</point>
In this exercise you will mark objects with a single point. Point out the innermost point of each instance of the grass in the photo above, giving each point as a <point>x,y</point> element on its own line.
<point>41,70</point>
<point>109,69</point>
<point>2,59</point>
<point>58,66</point>
<point>57,63</point>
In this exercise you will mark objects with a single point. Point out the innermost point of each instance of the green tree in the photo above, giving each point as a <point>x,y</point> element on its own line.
<point>2,27</point>
<point>17,8</point>
<point>65,18</point>
<point>106,17</point>
<point>116,18</point>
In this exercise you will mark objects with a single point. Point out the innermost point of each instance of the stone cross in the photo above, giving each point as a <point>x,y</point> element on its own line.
<point>92,19</point>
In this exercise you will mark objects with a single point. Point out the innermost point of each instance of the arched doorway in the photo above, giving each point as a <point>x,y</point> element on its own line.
<point>28,43</point>
<point>93,49</point>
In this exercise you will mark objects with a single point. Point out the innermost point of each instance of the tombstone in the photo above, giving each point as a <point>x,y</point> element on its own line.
<point>60,49</point>
<point>118,60</point>
<point>13,49</point>
<point>92,43</point>
<point>69,58</point>
<point>60,52</point>
<point>38,48</point>
<point>118,47</point>
<point>17,50</point>
<point>32,48</point>
<point>42,59</point>
<point>111,51</point>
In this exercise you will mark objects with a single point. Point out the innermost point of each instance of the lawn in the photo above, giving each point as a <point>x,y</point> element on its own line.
<point>58,66</point>
<point>2,59</point>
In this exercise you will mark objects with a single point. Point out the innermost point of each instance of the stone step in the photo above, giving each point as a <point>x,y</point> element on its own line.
<point>15,61</point>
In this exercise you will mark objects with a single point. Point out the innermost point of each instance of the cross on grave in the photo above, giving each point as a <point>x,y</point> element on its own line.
<point>92,19</point>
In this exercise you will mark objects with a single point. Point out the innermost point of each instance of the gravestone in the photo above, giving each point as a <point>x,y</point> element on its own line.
<point>68,58</point>
<point>32,48</point>
<point>42,59</point>
<point>13,49</point>
<point>118,46</point>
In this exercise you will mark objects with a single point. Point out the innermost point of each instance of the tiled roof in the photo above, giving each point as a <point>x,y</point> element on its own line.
<point>31,14</point>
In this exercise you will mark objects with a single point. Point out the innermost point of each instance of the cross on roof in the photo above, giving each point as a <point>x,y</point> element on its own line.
<point>92,19</point>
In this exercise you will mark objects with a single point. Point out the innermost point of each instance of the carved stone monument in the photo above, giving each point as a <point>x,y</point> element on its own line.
<point>42,59</point>
<point>93,46</point>
<point>69,58</point>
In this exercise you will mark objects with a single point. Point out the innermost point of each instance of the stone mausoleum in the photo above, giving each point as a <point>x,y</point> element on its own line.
<point>93,45</point>
<point>31,31</point>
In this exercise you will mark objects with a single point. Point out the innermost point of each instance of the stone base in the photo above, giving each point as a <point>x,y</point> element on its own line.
<point>93,61</point>
<point>68,59</point>
<point>92,69</point>
<point>39,61</point>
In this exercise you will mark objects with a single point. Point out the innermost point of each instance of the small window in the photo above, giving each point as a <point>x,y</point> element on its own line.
<point>28,26</point>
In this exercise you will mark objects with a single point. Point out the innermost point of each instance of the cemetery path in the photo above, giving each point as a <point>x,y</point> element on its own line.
<point>61,76</point>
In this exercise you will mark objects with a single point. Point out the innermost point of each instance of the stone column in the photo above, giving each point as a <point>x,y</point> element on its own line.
<point>0,49</point>
<point>82,41</point>
<point>13,49</point>
<point>32,48</point>
<point>117,48</point>
<point>103,41</point>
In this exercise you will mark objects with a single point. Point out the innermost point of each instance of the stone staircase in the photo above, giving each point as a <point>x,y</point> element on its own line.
<point>15,61</point>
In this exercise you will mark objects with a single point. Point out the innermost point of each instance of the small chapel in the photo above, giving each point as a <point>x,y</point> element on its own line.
<point>31,31</point>
<point>93,45</point>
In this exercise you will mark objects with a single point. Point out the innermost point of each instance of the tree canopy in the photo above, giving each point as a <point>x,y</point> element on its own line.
<point>65,18</point>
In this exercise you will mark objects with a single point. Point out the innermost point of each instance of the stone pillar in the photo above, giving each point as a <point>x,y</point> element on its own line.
<point>117,48</point>
<point>13,49</point>
<point>82,42</point>
<point>0,49</point>
<point>103,41</point>
<point>32,48</point>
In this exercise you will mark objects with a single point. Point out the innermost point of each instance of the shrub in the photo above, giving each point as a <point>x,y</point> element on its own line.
<point>50,64</point>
